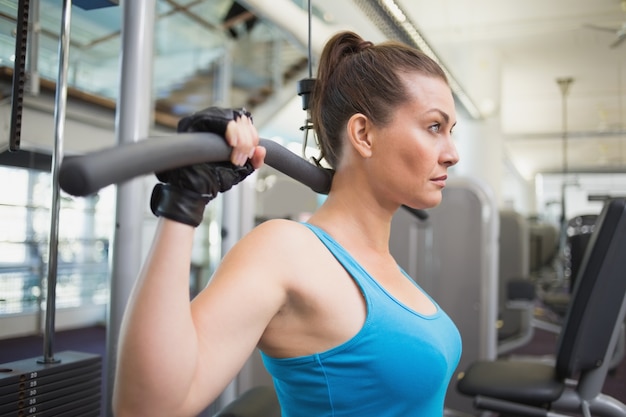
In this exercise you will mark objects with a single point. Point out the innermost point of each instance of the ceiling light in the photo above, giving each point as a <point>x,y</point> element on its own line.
<point>393,8</point>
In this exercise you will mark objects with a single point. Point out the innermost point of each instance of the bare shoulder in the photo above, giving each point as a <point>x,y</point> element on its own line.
<point>260,267</point>
<point>281,226</point>
<point>279,232</point>
<point>274,244</point>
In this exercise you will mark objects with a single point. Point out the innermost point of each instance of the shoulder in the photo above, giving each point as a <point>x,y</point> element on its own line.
<point>275,231</point>
<point>279,229</point>
<point>276,240</point>
<point>262,265</point>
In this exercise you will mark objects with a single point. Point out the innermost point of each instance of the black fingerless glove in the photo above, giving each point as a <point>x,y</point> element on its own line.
<point>212,119</point>
<point>184,192</point>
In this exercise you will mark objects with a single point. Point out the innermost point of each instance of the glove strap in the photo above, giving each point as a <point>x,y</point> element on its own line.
<point>178,204</point>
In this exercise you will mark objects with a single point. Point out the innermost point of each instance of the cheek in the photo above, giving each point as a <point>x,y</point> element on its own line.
<point>419,160</point>
<point>410,158</point>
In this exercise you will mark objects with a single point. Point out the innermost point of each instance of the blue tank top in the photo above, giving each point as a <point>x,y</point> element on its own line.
<point>398,365</point>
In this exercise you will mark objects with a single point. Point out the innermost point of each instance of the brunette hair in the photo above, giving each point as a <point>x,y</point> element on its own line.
<point>356,76</point>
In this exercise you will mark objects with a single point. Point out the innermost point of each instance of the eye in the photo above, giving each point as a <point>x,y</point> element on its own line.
<point>436,127</point>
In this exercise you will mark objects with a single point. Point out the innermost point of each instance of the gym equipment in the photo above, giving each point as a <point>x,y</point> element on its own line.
<point>579,230</point>
<point>95,4</point>
<point>516,293</point>
<point>86,174</point>
<point>544,240</point>
<point>19,75</point>
<point>70,383</point>
<point>587,342</point>
<point>69,387</point>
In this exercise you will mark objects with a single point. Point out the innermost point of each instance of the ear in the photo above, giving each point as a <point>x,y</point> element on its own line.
<point>360,134</point>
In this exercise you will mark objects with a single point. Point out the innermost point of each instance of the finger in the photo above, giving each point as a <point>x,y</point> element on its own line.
<point>236,137</point>
<point>258,157</point>
<point>248,131</point>
<point>247,140</point>
<point>231,134</point>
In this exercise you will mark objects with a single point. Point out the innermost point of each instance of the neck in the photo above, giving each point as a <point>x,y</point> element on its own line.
<point>353,216</point>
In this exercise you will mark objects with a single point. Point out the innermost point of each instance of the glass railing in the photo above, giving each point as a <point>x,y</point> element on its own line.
<point>188,42</point>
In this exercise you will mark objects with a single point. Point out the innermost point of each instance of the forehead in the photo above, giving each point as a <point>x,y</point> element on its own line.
<point>426,92</point>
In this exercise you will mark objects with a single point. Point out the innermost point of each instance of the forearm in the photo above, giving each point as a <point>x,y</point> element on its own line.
<point>158,344</point>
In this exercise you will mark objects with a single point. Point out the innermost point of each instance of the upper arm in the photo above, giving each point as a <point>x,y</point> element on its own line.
<point>231,313</point>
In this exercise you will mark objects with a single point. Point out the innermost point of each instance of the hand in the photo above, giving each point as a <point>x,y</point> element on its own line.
<point>184,192</point>
<point>235,126</point>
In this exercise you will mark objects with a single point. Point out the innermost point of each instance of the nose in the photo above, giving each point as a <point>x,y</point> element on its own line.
<point>449,155</point>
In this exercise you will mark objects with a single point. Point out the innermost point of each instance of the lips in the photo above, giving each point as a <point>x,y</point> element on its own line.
<point>440,181</point>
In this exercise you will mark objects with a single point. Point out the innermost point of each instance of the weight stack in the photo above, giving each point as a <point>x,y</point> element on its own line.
<point>70,387</point>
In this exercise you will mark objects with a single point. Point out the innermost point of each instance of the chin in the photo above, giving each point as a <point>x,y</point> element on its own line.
<point>433,205</point>
<point>433,200</point>
<point>427,203</point>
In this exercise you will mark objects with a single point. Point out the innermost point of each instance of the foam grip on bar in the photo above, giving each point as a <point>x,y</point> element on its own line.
<point>86,174</point>
<point>282,159</point>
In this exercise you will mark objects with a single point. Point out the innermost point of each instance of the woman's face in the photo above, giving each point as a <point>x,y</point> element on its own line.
<point>412,153</point>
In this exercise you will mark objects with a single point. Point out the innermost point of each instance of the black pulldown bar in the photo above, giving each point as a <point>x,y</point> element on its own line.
<point>86,174</point>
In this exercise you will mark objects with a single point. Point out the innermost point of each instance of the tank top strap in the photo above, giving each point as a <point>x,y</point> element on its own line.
<point>343,257</point>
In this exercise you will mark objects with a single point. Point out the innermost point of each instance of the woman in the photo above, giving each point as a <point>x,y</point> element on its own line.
<point>342,329</point>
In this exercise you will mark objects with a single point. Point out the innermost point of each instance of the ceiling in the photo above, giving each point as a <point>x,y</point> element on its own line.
<point>506,57</point>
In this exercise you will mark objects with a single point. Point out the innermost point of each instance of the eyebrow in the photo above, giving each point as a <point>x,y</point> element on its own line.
<point>443,114</point>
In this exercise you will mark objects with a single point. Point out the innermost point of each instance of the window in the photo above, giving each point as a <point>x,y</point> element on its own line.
<point>85,226</point>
